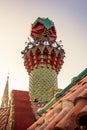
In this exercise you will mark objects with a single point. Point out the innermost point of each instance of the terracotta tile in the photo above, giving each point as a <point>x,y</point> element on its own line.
<point>69,121</point>
<point>56,109</point>
<point>60,115</point>
<point>35,108</point>
<point>75,94</point>
<point>36,124</point>
<point>84,110</point>
<point>77,86</point>
<point>83,94</point>
<point>64,113</point>
<point>37,128</point>
<point>82,113</point>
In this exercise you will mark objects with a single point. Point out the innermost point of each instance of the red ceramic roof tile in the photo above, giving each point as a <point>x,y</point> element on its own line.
<point>23,114</point>
<point>69,120</point>
<point>35,107</point>
<point>82,113</point>
<point>65,113</point>
<point>83,94</point>
<point>36,124</point>
<point>75,93</point>
<point>4,114</point>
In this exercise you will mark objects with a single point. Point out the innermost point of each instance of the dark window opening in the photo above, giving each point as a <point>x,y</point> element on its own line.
<point>83,121</point>
<point>45,35</point>
<point>36,100</point>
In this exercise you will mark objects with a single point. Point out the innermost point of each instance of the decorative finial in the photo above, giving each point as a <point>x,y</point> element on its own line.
<point>8,76</point>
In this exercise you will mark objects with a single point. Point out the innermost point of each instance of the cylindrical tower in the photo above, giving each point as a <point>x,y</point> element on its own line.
<point>43,58</point>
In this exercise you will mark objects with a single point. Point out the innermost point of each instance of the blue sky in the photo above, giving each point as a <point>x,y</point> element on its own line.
<point>16,17</point>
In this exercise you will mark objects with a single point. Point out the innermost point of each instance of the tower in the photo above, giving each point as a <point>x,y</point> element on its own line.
<point>5,97</point>
<point>43,58</point>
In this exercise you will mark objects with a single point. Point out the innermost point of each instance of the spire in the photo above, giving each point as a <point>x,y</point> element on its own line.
<point>5,97</point>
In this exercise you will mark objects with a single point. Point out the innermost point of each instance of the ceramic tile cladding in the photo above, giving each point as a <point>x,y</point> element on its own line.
<point>69,112</point>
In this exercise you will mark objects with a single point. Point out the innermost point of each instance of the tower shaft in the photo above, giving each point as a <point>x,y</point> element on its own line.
<point>42,83</point>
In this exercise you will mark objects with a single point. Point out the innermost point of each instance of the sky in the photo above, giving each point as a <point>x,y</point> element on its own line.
<point>16,17</point>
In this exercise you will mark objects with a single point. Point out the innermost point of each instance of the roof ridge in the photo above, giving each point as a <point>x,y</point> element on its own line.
<point>59,94</point>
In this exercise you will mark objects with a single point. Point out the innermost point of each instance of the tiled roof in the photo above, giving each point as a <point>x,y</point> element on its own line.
<point>59,94</point>
<point>69,112</point>
<point>4,114</point>
<point>45,21</point>
<point>21,114</point>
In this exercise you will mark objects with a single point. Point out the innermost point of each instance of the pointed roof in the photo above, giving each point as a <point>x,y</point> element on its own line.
<point>5,97</point>
<point>69,110</point>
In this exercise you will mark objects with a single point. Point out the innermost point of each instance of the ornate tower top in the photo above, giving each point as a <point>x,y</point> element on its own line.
<point>43,29</point>
<point>44,35</point>
<point>43,58</point>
